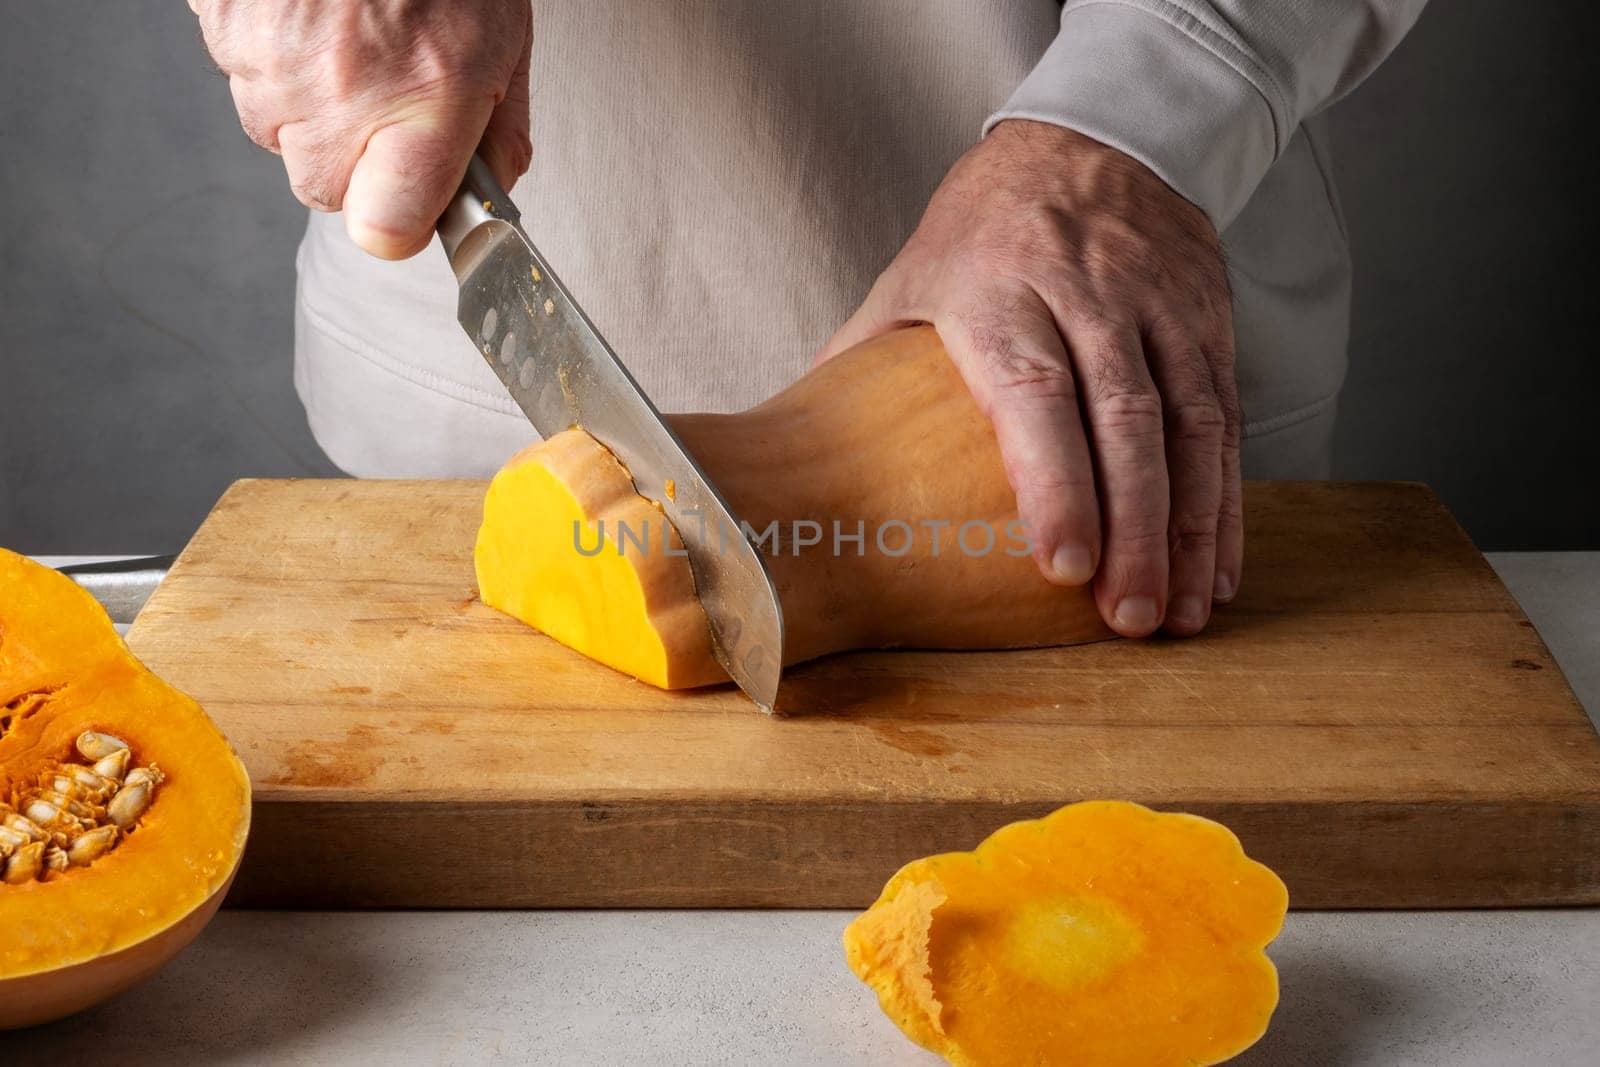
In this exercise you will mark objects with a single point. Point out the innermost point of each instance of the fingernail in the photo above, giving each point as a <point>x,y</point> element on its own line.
<point>1073,564</point>
<point>1187,611</point>
<point>1137,613</point>
<point>1222,588</point>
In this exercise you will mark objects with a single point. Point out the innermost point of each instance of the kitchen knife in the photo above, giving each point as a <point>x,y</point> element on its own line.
<point>561,372</point>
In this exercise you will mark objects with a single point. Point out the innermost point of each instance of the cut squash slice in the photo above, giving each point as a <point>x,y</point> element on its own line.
<point>1103,934</point>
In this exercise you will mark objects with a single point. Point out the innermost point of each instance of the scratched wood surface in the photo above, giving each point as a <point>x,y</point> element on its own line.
<point>1374,717</point>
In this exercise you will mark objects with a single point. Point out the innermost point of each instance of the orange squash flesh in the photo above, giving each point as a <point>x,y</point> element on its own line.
<point>85,933</point>
<point>604,604</point>
<point>1104,933</point>
<point>884,438</point>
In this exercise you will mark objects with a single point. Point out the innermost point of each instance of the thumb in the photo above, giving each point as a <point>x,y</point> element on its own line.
<point>506,145</point>
<point>875,316</point>
<point>407,173</point>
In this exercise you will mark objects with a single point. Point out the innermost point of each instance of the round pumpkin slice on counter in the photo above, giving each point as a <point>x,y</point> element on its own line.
<point>1104,933</point>
<point>123,812</point>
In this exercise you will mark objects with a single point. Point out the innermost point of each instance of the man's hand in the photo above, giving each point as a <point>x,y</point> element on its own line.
<point>377,106</point>
<point>1087,308</point>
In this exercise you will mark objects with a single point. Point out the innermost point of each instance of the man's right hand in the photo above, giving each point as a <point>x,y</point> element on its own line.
<point>376,107</point>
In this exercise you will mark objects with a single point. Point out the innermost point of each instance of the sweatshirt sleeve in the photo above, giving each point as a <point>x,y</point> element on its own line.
<point>1206,94</point>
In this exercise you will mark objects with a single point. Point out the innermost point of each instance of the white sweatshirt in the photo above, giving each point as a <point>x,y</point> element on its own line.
<point>719,181</point>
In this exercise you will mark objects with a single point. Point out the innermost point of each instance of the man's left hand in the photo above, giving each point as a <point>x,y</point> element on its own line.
<point>1087,308</point>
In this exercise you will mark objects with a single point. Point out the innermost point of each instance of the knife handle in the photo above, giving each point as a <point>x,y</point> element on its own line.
<point>479,199</point>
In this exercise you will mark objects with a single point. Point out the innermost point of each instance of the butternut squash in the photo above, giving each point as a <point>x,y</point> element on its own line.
<point>1104,933</point>
<point>882,446</point>
<point>123,812</point>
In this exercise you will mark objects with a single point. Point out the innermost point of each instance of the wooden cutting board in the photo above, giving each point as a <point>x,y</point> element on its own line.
<point>1374,717</point>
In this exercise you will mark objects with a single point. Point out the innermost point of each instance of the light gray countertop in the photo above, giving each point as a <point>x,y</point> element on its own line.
<point>771,987</point>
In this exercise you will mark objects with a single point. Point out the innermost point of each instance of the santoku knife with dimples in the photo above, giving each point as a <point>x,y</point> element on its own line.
<point>562,373</point>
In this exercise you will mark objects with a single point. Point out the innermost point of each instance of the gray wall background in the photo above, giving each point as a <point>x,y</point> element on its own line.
<point>146,267</point>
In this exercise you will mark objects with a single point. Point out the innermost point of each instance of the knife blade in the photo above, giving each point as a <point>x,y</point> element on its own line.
<point>562,373</point>
<point>121,585</point>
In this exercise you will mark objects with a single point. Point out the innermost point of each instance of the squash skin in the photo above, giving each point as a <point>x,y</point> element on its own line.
<point>1104,933</point>
<point>34,999</point>
<point>885,432</point>
<point>89,933</point>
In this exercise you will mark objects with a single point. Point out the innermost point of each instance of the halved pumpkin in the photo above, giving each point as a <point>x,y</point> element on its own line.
<point>123,812</point>
<point>1104,933</point>
<point>880,454</point>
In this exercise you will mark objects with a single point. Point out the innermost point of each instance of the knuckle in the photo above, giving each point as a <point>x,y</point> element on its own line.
<point>1032,377</point>
<point>213,37</point>
<point>312,159</point>
<point>1092,312</point>
<point>263,133</point>
<point>1138,541</point>
<point>316,175</point>
<point>1172,323</point>
<point>1192,534</point>
<point>317,195</point>
<point>1111,364</point>
<point>1129,413</point>
<point>1011,364</point>
<point>1232,438</point>
<point>1186,367</point>
<point>1137,519</point>
<point>1044,481</point>
<point>1199,420</point>
<point>1227,397</point>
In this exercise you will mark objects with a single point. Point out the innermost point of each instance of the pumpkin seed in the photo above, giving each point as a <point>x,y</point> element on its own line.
<point>67,785</point>
<point>91,846</point>
<point>44,814</point>
<point>76,808</point>
<point>26,864</point>
<point>151,774</point>
<point>130,802</point>
<point>114,766</point>
<point>55,859</point>
<point>91,780</point>
<point>24,825</point>
<point>97,746</point>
